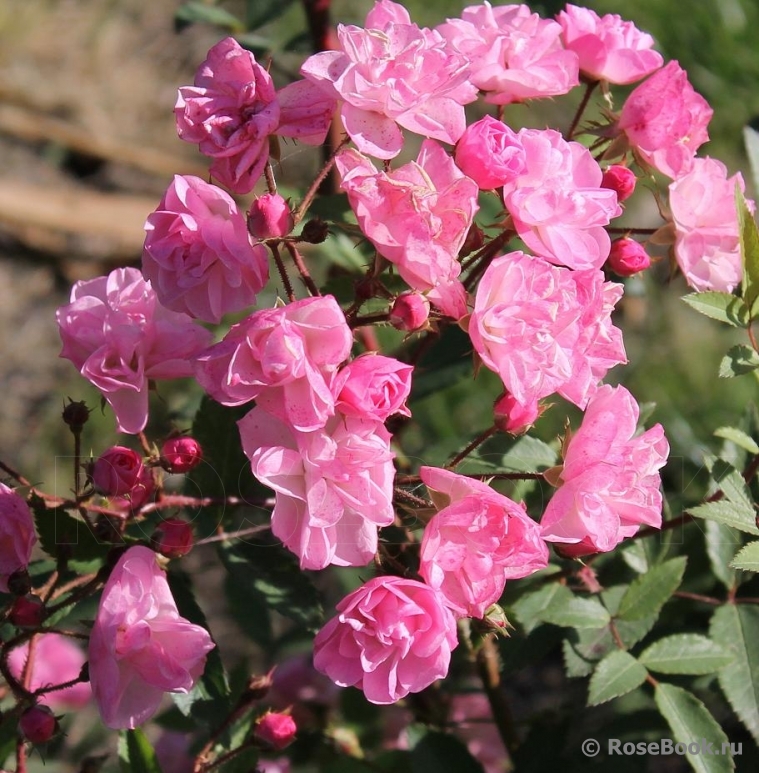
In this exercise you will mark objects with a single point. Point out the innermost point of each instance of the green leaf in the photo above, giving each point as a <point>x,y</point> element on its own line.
<point>690,722</point>
<point>747,558</point>
<point>648,593</point>
<point>576,612</point>
<point>739,437</point>
<point>749,252</point>
<point>617,674</point>
<point>529,454</point>
<point>751,141</point>
<point>272,574</point>
<point>528,610</point>
<point>731,483</point>
<point>442,753</point>
<point>575,664</point>
<point>685,653</point>
<point>729,514</point>
<point>136,755</point>
<point>723,307</point>
<point>721,544</point>
<point>736,628</point>
<point>738,361</point>
<point>198,12</point>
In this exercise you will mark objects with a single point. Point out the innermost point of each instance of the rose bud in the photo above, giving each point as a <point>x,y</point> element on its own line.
<point>275,730</point>
<point>173,538</point>
<point>627,257</point>
<point>620,179</point>
<point>117,471</point>
<point>38,724</point>
<point>76,414</point>
<point>27,612</point>
<point>409,312</point>
<point>181,454</point>
<point>270,217</point>
<point>512,417</point>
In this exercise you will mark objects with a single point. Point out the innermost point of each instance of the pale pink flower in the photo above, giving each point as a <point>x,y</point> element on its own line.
<point>198,255</point>
<point>140,647</point>
<point>707,243</point>
<point>56,660</point>
<point>559,205</point>
<point>270,217</point>
<point>334,485</point>
<point>390,75</point>
<point>116,471</point>
<point>490,153</point>
<point>610,479</point>
<point>285,358</point>
<point>392,637</point>
<point>513,54</point>
<point>417,216</point>
<point>474,544</point>
<point>666,121</point>
<point>546,329</point>
<point>608,47</point>
<point>17,537</point>
<point>120,338</point>
<point>373,387</point>
<point>627,257</point>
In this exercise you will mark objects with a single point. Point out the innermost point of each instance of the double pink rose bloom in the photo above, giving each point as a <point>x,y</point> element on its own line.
<point>17,536</point>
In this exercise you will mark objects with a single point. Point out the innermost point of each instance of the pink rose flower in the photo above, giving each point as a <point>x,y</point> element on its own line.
<point>610,480</point>
<point>120,338</point>
<point>417,216</point>
<point>546,329</point>
<point>627,257</point>
<point>116,471</point>
<point>393,74</point>
<point>17,537</point>
<point>139,494</point>
<point>490,153</point>
<point>270,217</point>
<point>56,660</point>
<point>198,256</point>
<point>275,730</point>
<point>474,544</point>
<point>513,54</point>
<point>559,205</point>
<point>285,358</point>
<point>409,312</point>
<point>334,486</point>
<point>373,387</point>
<point>621,180</point>
<point>608,48</point>
<point>140,647</point>
<point>665,121</point>
<point>707,243</point>
<point>181,454</point>
<point>392,637</point>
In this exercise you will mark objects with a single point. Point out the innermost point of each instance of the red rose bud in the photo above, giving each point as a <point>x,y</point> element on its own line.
<point>117,471</point>
<point>619,179</point>
<point>270,217</point>
<point>275,730</point>
<point>173,538</point>
<point>38,724</point>
<point>27,612</point>
<point>409,312</point>
<point>181,454</point>
<point>627,257</point>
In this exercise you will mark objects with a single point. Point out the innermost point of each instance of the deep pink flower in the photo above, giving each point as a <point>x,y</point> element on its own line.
<point>38,724</point>
<point>285,358</point>
<point>417,216</point>
<point>181,454</point>
<point>373,387</point>
<point>120,338</point>
<point>490,153</point>
<point>707,244</point>
<point>270,217</point>
<point>621,180</point>
<point>276,730</point>
<point>474,544</point>
<point>173,538</point>
<point>513,54</point>
<point>392,637</point>
<point>198,255</point>
<point>56,660</point>
<point>546,329</point>
<point>140,493</point>
<point>334,486</point>
<point>409,312</point>
<point>116,471</point>
<point>665,120</point>
<point>610,479</point>
<point>559,205</point>
<point>627,257</point>
<point>140,647</point>
<point>17,537</point>
<point>608,47</point>
<point>393,74</point>
<point>511,416</point>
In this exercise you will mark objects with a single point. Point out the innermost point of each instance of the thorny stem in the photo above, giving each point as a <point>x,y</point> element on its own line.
<point>224,536</point>
<point>312,191</point>
<point>302,270</point>
<point>370,319</point>
<point>478,441</point>
<point>639,231</point>
<point>282,272</point>
<point>15,475</point>
<point>271,183</point>
<point>581,109</point>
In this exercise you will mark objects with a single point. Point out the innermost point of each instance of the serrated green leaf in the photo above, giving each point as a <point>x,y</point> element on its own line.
<point>617,674</point>
<point>198,12</point>
<point>739,437</point>
<point>576,612</point>
<point>749,238</point>
<point>442,753</point>
<point>685,653</point>
<point>728,513</point>
<point>648,593</point>
<point>747,558</point>
<point>528,609</point>
<point>722,542</point>
<point>136,755</point>
<point>690,721</point>
<point>723,307</point>
<point>575,664</point>
<point>736,628</point>
<point>529,454</point>
<point>731,483</point>
<point>738,361</point>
